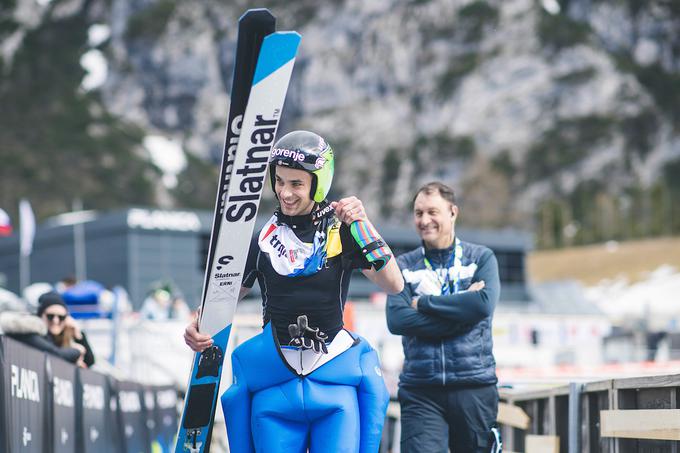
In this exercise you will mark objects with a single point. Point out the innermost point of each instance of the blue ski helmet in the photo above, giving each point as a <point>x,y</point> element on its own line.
<point>304,150</point>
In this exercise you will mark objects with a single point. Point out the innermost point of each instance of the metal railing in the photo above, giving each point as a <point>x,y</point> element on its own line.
<point>638,414</point>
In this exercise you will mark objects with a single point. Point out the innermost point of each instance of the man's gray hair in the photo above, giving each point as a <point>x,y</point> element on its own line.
<point>444,191</point>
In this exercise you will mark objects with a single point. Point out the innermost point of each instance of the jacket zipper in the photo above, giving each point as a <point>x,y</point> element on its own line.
<point>442,260</point>
<point>443,365</point>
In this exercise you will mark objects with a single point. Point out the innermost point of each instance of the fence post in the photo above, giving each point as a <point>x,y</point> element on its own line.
<point>575,390</point>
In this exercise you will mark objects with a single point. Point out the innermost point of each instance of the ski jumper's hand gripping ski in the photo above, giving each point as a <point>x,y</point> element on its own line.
<point>261,77</point>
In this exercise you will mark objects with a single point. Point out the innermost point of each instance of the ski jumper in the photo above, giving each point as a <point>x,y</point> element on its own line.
<point>304,383</point>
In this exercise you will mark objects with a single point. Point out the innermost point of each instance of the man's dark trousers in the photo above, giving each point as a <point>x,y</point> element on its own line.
<point>436,419</point>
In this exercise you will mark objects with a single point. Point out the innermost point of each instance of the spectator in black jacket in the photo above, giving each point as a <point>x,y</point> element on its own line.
<point>30,330</point>
<point>62,329</point>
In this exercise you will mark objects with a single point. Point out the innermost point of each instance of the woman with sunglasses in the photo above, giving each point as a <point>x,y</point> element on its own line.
<point>62,329</point>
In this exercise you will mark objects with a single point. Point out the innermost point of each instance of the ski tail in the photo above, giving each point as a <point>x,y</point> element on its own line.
<point>253,26</point>
<point>237,220</point>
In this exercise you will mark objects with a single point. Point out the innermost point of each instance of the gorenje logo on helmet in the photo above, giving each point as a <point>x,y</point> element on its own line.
<point>245,192</point>
<point>295,155</point>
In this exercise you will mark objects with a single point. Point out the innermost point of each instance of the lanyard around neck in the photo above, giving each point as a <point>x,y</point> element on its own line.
<point>447,277</point>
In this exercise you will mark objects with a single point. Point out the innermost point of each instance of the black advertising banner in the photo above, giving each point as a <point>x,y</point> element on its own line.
<point>93,397</point>
<point>166,418</point>
<point>114,431</point>
<point>49,405</point>
<point>150,417</point>
<point>24,397</point>
<point>62,404</point>
<point>133,417</point>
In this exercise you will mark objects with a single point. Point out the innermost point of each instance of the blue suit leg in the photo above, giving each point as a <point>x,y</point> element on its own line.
<point>334,411</point>
<point>256,366</point>
<point>373,401</point>
<point>236,405</point>
<point>279,422</point>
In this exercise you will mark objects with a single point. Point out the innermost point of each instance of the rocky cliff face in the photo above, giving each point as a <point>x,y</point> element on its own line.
<point>517,103</point>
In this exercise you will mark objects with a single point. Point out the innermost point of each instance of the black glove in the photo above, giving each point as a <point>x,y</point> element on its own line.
<point>305,337</point>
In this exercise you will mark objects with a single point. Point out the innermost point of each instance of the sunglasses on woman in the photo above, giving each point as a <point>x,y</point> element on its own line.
<point>51,317</point>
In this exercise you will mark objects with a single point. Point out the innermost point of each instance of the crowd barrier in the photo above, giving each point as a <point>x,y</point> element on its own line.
<point>51,406</point>
<point>628,415</point>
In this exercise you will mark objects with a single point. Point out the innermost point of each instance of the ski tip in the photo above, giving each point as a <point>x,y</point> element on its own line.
<point>285,42</point>
<point>285,35</point>
<point>277,49</point>
<point>257,14</point>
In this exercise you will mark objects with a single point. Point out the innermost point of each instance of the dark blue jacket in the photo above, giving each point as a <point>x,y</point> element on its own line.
<point>447,341</point>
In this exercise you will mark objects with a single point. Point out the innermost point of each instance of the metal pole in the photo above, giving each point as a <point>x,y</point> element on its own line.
<point>575,390</point>
<point>79,244</point>
<point>24,271</point>
<point>115,318</point>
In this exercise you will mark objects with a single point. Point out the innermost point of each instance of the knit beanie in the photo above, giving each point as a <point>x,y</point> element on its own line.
<point>49,299</point>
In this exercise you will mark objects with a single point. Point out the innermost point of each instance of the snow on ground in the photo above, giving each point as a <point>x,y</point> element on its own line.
<point>654,301</point>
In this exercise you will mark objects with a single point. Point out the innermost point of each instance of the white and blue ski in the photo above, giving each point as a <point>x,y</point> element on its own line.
<point>237,219</point>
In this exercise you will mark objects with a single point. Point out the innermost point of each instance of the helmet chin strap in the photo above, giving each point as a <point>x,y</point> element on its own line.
<point>312,190</point>
<point>296,221</point>
<point>322,210</point>
<point>320,215</point>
